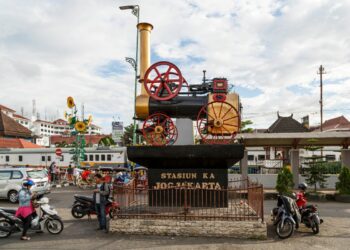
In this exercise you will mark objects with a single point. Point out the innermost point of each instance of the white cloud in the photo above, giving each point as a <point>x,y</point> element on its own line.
<point>52,49</point>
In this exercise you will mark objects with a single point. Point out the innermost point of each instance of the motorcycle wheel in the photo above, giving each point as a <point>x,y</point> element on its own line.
<point>113,212</point>
<point>54,226</point>
<point>315,227</point>
<point>286,231</point>
<point>77,211</point>
<point>4,223</point>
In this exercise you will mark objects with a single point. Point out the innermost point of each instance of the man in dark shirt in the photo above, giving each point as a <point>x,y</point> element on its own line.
<point>101,194</point>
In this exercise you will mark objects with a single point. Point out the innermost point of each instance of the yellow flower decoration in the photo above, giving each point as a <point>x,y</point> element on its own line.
<point>80,126</point>
<point>89,120</point>
<point>70,102</point>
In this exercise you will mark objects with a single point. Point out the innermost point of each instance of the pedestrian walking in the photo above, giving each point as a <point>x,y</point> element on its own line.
<point>101,194</point>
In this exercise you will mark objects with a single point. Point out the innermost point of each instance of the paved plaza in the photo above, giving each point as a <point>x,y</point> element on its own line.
<point>81,234</point>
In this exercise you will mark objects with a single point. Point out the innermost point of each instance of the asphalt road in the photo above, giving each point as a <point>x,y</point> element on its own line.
<point>81,234</point>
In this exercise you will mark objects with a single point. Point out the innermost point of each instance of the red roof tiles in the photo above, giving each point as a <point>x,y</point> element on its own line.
<point>16,143</point>
<point>2,107</point>
<point>10,128</point>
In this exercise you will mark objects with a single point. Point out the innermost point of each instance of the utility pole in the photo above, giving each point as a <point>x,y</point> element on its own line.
<point>321,72</point>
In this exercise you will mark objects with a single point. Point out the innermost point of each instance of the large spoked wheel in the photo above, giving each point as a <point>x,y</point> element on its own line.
<point>218,123</point>
<point>163,81</point>
<point>54,226</point>
<point>286,230</point>
<point>5,224</point>
<point>159,130</point>
<point>77,212</point>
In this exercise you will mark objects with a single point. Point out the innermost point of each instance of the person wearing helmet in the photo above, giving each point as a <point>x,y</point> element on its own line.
<point>301,199</point>
<point>25,209</point>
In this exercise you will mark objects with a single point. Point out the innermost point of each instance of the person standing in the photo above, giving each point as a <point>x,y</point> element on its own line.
<point>70,173</point>
<point>76,174</point>
<point>52,171</point>
<point>25,209</point>
<point>101,194</point>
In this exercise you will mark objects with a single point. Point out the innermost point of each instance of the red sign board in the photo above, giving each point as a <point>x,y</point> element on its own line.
<point>58,152</point>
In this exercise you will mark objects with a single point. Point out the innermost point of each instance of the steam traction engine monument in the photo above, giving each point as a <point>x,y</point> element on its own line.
<point>188,189</point>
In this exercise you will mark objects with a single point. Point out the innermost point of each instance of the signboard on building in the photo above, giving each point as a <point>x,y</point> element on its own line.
<point>117,131</point>
<point>207,187</point>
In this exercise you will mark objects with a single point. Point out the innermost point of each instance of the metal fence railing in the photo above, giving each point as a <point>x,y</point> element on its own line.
<point>243,200</point>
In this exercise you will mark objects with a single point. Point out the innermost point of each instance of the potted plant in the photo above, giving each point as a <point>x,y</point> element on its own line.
<point>284,184</point>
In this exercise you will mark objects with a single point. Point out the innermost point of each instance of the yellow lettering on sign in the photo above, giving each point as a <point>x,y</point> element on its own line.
<point>212,176</point>
<point>205,175</point>
<point>163,175</point>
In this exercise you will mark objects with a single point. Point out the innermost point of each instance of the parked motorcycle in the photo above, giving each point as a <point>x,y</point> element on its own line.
<point>285,216</point>
<point>310,218</point>
<point>84,205</point>
<point>47,218</point>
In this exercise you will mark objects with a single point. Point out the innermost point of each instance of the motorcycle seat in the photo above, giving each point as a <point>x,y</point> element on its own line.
<point>9,210</point>
<point>84,197</point>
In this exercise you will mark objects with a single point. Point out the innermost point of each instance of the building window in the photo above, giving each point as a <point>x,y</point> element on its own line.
<point>85,157</point>
<point>7,158</point>
<point>261,157</point>
<point>109,157</point>
<point>62,158</point>
<point>20,158</point>
<point>103,157</point>
<point>330,157</point>
<point>91,157</point>
<point>42,158</point>
<point>97,157</point>
<point>250,157</point>
<point>49,158</point>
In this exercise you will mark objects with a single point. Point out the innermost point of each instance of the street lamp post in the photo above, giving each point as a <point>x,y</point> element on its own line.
<point>135,10</point>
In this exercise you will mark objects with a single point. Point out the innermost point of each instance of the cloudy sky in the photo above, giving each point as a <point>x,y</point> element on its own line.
<point>270,50</point>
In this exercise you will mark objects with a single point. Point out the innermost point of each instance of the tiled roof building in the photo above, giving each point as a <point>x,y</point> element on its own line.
<point>16,143</point>
<point>90,139</point>
<point>286,125</point>
<point>336,124</point>
<point>10,128</point>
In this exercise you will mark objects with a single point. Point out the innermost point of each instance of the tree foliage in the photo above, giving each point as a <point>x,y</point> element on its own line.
<point>285,182</point>
<point>106,141</point>
<point>316,171</point>
<point>343,186</point>
<point>244,128</point>
<point>128,135</point>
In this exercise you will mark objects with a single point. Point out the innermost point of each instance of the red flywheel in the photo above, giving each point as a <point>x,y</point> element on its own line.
<point>159,130</point>
<point>163,81</point>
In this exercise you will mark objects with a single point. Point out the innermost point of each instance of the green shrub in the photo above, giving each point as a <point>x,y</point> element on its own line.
<point>285,182</point>
<point>343,186</point>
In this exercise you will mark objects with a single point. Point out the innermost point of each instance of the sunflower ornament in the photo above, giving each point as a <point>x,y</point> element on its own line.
<point>70,102</point>
<point>80,127</point>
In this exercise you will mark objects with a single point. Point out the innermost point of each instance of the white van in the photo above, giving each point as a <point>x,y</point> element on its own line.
<point>11,179</point>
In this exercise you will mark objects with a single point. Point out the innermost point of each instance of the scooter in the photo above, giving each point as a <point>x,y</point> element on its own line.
<point>310,218</point>
<point>84,205</point>
<point>283,217</point>
<point>46,219</point>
